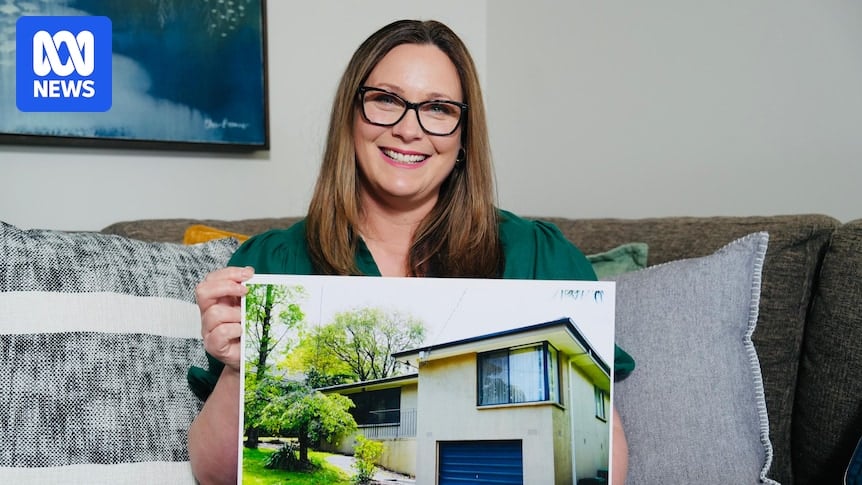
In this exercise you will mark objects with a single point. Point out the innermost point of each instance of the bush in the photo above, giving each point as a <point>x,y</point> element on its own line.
<point>366,454</point>
<point>285,458</point>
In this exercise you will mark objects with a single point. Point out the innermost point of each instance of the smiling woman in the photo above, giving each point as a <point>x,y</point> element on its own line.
<point>406,188</point>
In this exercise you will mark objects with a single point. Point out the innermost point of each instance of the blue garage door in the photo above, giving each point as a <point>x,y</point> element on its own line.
<point>480,463</point>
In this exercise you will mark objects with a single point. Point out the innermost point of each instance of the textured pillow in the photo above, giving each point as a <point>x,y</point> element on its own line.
<point>619,260</point>
<point>97,332</point>
<point>198,233</point>
<point>694,410</point>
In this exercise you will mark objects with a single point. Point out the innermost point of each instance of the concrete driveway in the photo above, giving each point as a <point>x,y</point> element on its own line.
<point>382,476</point>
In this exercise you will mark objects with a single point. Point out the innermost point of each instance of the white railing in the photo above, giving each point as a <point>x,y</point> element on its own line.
<point>404,428</point>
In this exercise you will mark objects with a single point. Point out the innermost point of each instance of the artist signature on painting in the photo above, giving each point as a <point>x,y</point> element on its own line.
<point>225,123</point>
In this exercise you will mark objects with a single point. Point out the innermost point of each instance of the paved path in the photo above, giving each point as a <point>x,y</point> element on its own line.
<point>345,462</point>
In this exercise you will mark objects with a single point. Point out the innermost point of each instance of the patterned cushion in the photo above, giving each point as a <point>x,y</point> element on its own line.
<point>96,334</point>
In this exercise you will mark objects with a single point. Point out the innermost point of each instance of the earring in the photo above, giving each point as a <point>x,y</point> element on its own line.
<point>462,156</point>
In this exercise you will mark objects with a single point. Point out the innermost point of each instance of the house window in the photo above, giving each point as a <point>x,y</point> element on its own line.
<point>377,407</point>
<point>519,374</point>
<point>601,410</point>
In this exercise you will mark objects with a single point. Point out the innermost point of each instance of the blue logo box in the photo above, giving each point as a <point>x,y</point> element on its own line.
<point>63,64</point>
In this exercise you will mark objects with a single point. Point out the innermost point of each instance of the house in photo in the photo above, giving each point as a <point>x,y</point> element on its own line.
<point>526,405</point>
<point>385,410</point>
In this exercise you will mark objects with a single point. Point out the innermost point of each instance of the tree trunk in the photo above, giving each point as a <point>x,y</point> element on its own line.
<point>252,432</point>
<point>253,436</point>
<point>303,444</point>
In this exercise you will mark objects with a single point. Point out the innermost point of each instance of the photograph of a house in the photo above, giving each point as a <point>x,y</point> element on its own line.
<point>495,381</point>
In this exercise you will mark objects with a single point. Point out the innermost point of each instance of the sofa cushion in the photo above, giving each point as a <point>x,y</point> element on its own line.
<point>828,418</point>
<point>796,247</point>
<point>694,410</point>
<point>97,333</point>
<point>621,259</point>
<point>198,233</point>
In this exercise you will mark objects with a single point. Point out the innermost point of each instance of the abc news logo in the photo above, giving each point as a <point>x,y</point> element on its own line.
<point>63,64</point>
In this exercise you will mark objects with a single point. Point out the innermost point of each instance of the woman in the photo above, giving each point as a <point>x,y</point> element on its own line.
<point>405,189</point>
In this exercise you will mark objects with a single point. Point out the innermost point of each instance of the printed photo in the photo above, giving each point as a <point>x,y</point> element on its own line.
<point>426,380</point>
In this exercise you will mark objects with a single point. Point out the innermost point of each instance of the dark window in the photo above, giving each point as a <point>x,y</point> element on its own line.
<point>601,411</point>
<point>377,407</point>
<point>518,374</point>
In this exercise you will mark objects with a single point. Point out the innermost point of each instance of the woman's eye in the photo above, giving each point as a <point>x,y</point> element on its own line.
<point>384,98</point>
<point>441,109</point>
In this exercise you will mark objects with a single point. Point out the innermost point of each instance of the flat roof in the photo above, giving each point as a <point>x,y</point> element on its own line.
<point>544,330</point>
<point>384,383</point>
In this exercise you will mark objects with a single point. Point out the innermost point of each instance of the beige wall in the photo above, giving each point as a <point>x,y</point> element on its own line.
<point>591,444</point>
<point>399,455</point>
<point>562,446</point>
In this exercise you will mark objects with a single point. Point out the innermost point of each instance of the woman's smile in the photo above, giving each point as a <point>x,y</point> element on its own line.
<point>404,157</point>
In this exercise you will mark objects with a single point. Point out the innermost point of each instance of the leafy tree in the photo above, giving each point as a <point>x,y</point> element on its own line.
<point>357,346</point>
<point>309,415</point>
<point>320,367</point>
<point>271,311</point>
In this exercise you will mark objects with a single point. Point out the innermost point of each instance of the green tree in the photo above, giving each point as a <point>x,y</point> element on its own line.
<point>357,346</point>
<point>309,415</point>
<point>320,367</point>
<point>271,311</point>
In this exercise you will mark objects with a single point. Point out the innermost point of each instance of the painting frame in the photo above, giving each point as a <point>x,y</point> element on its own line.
<point>184,79</point>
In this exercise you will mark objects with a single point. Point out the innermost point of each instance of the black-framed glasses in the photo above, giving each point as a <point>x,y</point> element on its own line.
<point>436,117</point>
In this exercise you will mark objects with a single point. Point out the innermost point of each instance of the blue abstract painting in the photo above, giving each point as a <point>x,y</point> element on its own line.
<point>186,74</point>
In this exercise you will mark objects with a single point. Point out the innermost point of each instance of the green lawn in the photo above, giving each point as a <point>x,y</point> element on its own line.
<point>255,474</point>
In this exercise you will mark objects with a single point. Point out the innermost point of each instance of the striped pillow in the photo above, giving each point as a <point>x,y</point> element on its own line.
<point>96,334</point>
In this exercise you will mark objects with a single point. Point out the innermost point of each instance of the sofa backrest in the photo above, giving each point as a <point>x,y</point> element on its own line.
<point>172,230</point>
<point>828,420</point>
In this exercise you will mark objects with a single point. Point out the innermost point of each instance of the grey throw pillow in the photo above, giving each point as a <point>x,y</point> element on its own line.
<point>694,408</point>
<point>97,333</point>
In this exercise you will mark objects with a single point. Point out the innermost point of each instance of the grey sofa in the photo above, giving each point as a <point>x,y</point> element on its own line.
<point>809,331</point>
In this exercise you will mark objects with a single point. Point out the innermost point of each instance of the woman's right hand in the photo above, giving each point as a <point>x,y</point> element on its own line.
<point>218,297</point>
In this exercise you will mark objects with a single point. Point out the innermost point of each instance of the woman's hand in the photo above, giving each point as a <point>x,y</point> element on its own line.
<point>218,297</point>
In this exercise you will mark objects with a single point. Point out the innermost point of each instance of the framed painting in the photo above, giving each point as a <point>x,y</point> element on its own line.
<point>184,75</point>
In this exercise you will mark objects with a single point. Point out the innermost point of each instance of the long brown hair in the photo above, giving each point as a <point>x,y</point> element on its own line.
<point>458,238</point>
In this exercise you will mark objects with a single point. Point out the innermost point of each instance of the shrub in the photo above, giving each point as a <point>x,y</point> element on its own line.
<point>366,454</point>
<point>285,458</point>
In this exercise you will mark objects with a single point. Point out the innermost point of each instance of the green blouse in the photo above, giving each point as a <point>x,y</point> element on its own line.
<point>532,250</point>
